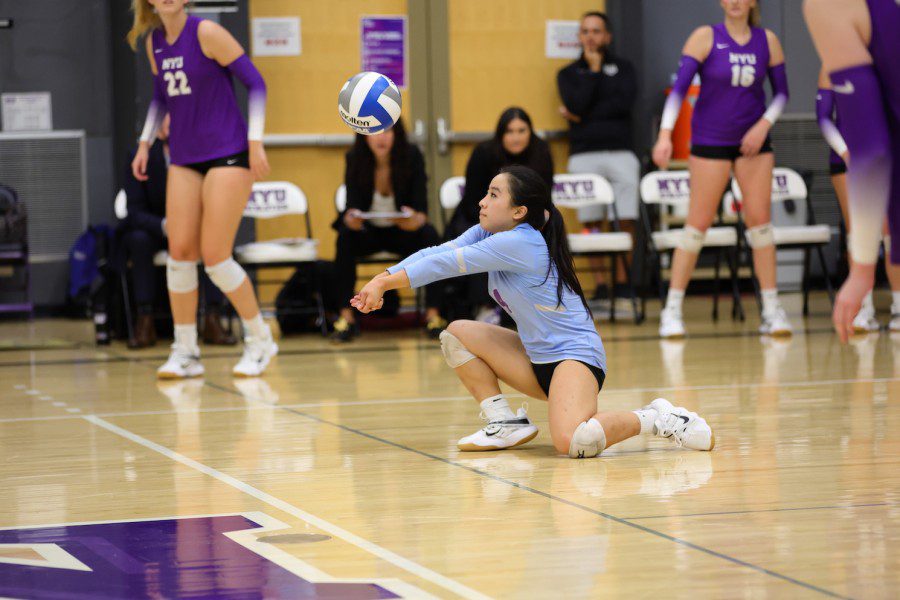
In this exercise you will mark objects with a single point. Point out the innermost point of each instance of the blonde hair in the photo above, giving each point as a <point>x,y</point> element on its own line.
<point>755,16</point>
<point>145,19</point>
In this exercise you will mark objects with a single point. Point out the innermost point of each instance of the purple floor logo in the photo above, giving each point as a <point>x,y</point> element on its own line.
<point>178,557</point>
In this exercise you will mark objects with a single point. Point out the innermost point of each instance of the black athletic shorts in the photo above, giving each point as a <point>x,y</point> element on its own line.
<point>241,159</point>
<point>544,373</point>
<point>837,168</point>
<point>731,153</point>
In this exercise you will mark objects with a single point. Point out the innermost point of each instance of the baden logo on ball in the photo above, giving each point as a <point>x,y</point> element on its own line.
<point>369,103</point>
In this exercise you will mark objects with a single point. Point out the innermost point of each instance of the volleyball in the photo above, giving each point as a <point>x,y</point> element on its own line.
<point>369,103</point>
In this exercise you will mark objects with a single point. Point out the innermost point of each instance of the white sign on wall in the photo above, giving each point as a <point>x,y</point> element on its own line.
<point>276,36</point>
<point>561,39</point>
<point>27,112</point>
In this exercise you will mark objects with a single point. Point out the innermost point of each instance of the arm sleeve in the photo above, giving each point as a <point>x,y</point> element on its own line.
<point>156,113</point>
<point>504,251</point>
<point>243,69</point>
<point>139,214</point>
<point>861,106</point>
<point>577,90</point>
<point>824,115</point>
<point>780,94</point>
<point>470,236</point>
<point>687,68</point>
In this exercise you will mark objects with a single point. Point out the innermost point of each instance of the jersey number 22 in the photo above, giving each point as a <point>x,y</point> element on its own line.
<point>178,83</point>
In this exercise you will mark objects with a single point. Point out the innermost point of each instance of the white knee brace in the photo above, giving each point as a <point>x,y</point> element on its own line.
<point>761,236</point>
<point>692,239</point>
<point>181,275</point>
<point>455,353</point>
<point>588,441</point>
<point>227,275</point>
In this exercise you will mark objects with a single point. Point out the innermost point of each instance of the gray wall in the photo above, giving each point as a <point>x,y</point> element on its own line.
<point>63,47</point>
<point>76,50</point>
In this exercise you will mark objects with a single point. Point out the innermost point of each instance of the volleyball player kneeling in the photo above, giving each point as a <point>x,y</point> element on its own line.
<point>557,354</point>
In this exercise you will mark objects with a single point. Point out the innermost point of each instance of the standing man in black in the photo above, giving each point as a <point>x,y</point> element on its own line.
<point>598,92</point>
<point>144,234</point>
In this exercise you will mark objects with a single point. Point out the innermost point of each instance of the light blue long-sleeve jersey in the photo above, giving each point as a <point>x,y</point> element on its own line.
<point>516,262</point>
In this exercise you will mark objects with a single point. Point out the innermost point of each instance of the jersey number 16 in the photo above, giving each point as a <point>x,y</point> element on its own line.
<point>178,83</point>
<point>742,75</point>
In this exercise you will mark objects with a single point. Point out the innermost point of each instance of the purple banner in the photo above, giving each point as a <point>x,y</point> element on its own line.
<point>383,47</point>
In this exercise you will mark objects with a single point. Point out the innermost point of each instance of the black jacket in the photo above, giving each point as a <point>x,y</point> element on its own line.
<point>603,100</point>
<point>147,199</point>
<point>484,164</point>
<point>411,191</point>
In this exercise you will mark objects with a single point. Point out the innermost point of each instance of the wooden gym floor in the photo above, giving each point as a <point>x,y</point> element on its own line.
<point>337,475</point>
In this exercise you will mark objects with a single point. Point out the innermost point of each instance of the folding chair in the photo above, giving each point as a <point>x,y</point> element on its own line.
<point>670,190</point>
<point>276,199</point>
<point>451,194</point>
<point>787,184</point>
<point>571,190</point>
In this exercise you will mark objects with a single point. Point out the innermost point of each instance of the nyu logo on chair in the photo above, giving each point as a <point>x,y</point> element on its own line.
<point>275,199</point>
<point>574,190</point>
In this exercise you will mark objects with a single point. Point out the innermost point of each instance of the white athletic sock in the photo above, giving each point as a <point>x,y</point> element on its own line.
<point>770,301</point>
<point>186,336</point>
<point>868,302</point>
<point>674,300</point>
<point>647,416</point>
<point>895,303</point>
<point>496,408</point>
<point>256,327</point>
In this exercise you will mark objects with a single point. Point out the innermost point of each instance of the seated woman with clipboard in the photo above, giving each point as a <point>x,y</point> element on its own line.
<point>387,204</point>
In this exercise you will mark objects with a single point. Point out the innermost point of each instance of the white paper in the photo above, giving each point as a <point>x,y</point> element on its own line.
<point>27,112</point>
<point>561,39</point>
<point>276,36</point>
<point>382,215</point>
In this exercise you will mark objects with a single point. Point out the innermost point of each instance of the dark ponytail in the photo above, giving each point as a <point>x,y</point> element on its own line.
<point>528,189</point>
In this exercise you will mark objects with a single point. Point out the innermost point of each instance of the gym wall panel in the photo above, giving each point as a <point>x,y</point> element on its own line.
<point>302,98</point>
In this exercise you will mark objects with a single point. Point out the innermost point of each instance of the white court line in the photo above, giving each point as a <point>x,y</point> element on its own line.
<point>382,553</point>
<point>259,404</point>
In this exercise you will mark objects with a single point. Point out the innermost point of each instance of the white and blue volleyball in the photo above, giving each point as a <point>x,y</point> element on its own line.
<point>369,103</point>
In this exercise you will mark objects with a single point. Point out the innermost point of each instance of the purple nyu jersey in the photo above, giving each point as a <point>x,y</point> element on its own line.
<point>206,122</point>
<point>732,98</point>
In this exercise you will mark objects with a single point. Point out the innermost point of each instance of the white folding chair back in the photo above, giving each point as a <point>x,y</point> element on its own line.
<point>577,190</point>
<point>120,205</point>
<point>269,200</point>
<point>452,191</point>
<point>787,184</point>
<point>340,198</point>
<point>673,188</point>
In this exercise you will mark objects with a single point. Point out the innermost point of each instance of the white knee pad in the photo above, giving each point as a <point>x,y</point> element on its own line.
<point>181,275</point>
<point>887,246</point>
<point>455,353</point>
<point>588,441</point>
<point>761,236</point>
<point>227,275</point>
<point>692,239</point>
